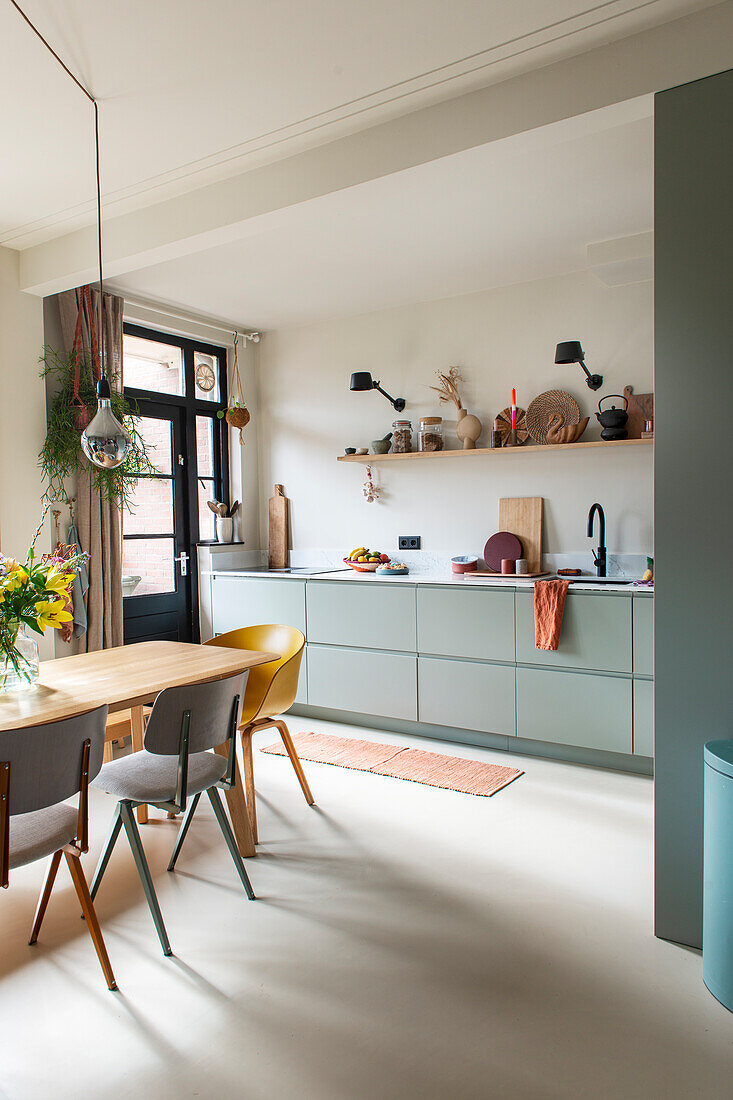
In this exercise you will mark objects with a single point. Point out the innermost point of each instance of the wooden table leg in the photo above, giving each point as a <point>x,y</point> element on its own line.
<point>237,804</point>
<point>138,732</point>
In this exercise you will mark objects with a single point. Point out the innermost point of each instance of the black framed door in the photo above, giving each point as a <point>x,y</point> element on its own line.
<point>157,537</point>
<point>178,386</point>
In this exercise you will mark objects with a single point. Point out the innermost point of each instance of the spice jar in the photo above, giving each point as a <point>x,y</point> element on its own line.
<point>401,437</point>
<point>431,433</point>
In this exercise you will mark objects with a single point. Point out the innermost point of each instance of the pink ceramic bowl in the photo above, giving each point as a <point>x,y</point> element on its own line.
<point>464,564</point>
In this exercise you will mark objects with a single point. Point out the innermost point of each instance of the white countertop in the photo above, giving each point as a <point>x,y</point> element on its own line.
<point>352,577</point>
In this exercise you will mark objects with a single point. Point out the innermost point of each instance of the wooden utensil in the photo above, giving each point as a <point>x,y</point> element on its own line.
<point>234,508</point>
<point>523,517</point>
<point>213,506</point>
<point>278,548</point>
<point>500,546</point>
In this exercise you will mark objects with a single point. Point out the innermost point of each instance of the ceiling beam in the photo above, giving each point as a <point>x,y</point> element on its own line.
<point>683,50</point>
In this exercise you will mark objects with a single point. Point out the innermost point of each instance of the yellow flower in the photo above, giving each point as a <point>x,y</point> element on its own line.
<point>15,576</point>
<point>52,613</point>
<point>59,581</point>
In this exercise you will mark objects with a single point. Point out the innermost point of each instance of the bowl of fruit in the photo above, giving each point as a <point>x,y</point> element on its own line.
<point>364,560</point>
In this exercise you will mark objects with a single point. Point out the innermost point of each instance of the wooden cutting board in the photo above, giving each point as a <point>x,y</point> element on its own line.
<point>523,517</point>
<point>277,557</point>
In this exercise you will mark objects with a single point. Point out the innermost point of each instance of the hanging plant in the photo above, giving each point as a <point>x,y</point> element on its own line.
<point>237,413</point>
<point>72,408</point>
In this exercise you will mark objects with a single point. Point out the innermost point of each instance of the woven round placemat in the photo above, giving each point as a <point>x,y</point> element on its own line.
<point>544,406</point>
<point>503,424</point>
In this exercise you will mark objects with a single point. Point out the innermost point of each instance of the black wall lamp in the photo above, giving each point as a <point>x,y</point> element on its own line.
<point>570,351</point>
<point>363,380</point>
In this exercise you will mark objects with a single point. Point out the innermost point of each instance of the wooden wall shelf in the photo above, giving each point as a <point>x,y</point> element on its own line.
<point>370,460</point>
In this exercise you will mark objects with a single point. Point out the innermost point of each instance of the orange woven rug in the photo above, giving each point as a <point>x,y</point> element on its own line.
<point>454,773</point>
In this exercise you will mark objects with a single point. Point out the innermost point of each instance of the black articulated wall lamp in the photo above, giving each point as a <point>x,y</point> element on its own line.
<point>570,351</point>
<point>362,380</point>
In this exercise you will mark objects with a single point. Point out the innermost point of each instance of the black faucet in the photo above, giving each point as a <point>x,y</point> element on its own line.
<point>598,557</point>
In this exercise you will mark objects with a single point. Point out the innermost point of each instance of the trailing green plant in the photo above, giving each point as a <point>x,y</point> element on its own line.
<point>61,455</point>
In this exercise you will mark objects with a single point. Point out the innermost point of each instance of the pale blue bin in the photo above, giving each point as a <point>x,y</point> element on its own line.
<point>717,911</point>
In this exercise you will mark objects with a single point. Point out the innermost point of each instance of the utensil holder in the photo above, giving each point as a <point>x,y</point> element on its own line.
<point>224,526</point>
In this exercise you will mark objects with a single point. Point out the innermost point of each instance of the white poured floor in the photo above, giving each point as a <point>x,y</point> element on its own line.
<point>407,942</point>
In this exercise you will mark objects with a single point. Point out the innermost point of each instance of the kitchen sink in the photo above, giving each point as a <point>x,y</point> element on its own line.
<point>620,581</point>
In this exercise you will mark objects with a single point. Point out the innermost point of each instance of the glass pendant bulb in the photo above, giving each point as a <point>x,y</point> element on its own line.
<point>104,441</point>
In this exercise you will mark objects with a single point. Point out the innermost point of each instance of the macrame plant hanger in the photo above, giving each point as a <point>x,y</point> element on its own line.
<point>237,413</point>
<point>82,416</point>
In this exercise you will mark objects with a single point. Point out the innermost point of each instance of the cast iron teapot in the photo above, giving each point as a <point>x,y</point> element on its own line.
<point>613,420</point>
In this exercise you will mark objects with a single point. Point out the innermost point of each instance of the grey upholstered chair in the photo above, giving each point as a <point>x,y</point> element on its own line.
<point>174,767</point>
<point>40,767</point>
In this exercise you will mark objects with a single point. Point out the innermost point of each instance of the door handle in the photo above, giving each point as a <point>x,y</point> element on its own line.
<point>183,560</point>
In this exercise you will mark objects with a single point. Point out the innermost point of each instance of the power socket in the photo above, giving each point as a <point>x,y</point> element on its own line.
<point>408,542</point>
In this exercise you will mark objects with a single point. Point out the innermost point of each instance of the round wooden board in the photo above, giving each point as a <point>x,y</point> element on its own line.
<point>502,545</point>
<point>504,422</point>
<point>546,405</point>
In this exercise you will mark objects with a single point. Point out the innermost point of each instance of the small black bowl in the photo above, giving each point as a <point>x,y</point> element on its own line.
<point>349,450</point>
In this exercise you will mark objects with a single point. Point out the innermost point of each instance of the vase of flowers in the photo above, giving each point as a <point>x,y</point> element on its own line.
<point>33,597</point>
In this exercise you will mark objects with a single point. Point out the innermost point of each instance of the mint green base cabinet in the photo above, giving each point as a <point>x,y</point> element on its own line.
<point>363,680</point>
<point>596,633</point>
<point>644,717</point>
<point>643,612</point>
<point>574,708</point>
<point>249,601</point>
<point>471,623</point>
<point>366,614</point>
<point>467,694</point>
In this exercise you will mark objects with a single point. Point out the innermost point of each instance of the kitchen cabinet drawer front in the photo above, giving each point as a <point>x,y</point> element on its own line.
<point>248,601</point>
<point>467,694</point>
<point>643,717</point>
<point>471,623</point>
<point>363,681</point>
<point>573,708</point>
<point>643,636</point>
<point>365,614</point>
<point>596,633</point>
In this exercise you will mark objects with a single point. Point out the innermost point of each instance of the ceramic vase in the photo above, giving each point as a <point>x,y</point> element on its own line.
<point>468,430</point>
<point>224,528</point>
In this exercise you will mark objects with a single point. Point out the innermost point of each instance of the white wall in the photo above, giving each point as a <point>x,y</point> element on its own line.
<point>499,338</point>
<point>23,416</point>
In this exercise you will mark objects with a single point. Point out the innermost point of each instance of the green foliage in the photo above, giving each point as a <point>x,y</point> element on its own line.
<point>61,455</point>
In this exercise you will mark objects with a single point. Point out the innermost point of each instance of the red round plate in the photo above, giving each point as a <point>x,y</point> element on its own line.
<point>501,545</point>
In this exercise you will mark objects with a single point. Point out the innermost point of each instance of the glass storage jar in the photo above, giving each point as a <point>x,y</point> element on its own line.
<point>431,433</point>
<point>401,437</point>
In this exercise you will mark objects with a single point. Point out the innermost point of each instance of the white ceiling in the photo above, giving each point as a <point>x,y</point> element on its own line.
<point>191,92</point>
<point>510,211</point>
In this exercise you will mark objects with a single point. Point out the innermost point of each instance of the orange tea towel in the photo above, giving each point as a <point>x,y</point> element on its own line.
<point>549,605</point>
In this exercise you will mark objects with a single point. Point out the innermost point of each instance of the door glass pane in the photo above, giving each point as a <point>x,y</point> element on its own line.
<point>206,376</point>
<point>158,438</point>
<point>205,446</point>
<point>206,516</point>
<point>151,508</point>
<point>151,365</point>
<point>152,561</point>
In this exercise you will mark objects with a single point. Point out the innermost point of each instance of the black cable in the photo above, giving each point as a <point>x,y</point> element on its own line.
<point>93,101</point>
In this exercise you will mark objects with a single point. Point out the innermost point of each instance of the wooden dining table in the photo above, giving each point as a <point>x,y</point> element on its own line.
<point>129,677</point>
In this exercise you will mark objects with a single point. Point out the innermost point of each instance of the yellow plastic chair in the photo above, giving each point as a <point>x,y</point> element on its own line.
<point>271,690</point>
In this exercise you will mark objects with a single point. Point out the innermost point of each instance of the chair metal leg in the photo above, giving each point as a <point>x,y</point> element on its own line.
<point>138,852</point>
<point>53,867</point>
<point>221,817</point>
<point>187,818</point>
<point>114,832</point>
<point>90,916</point>
<point>295,760</point>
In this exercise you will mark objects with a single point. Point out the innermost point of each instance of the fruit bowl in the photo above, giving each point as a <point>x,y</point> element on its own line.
<point>363,566</point>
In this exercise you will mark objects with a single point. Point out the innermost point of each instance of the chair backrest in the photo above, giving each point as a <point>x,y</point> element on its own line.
<point>211,706</point>
<point>272,687</point>
<point>45,761</point>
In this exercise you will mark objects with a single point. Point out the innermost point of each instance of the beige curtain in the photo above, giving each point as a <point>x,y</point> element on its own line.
<point>99,523</point>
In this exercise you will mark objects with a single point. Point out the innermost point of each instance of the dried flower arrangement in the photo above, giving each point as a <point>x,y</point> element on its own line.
<point>448,388</point>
